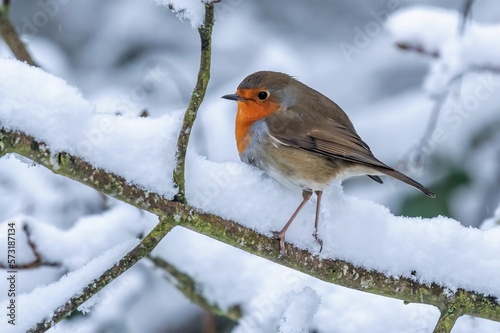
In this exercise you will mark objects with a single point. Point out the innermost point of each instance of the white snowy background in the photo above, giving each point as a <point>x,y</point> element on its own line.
<point>100,58</point>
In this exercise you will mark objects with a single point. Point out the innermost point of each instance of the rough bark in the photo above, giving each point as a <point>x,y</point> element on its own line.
<point>180,214</point>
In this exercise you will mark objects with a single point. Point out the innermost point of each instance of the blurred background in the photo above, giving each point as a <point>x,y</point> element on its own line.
<point>129,56</point>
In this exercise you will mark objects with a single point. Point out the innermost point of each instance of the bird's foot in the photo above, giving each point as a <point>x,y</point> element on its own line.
<point>318,240</point>
<point>281,236</point>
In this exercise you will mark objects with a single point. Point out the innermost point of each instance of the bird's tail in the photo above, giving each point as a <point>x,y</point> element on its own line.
<point>404,178</point>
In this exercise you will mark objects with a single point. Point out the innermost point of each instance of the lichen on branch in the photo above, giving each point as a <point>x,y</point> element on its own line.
<point>339,272</point>
<point>197,97</point>
<point>145,247</point>
<point>177,212</point>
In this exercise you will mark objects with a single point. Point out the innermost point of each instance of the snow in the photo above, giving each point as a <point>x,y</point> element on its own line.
<point>298,315</point>
<point>106,238</point>
<point>492,222</point>
<point>360,231</point>
<point>192,10</point>
<point>30,308</point>
<point>77,129</point>
<point>391,244</point>
<point>269,294</point>
<point>122,224</point>
<point>485,38</point>
<point>380,91</point>
<point>478,48</point>
<point>405,25</point>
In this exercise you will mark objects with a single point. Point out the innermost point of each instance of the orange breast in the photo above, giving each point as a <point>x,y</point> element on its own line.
<point>249,111</point>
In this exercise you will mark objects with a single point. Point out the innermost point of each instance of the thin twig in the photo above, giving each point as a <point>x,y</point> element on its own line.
<point>38,262</point>
<point>466,15</point>
<point>447,319</point>
<point>146,245</point>
<point>197,97</point>
<point>405,46</point>
<point>415,157</point>
<point>188,287</point>
<point>11,37</point>
<point>31,244</point>
<point>484,69</point>
<point>418,48</point>
<point>6,7</point>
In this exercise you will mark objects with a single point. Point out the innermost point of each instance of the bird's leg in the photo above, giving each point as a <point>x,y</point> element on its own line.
<point>306,195</point>
<point>319,194</point>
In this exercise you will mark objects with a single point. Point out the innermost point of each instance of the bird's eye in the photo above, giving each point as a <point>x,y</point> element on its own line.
<point>263,95</point>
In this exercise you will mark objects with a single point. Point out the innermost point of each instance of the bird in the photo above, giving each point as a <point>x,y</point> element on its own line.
<point>302,139</point>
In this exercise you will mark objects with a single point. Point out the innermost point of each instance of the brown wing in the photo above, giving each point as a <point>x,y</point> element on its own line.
<point>325,137</point>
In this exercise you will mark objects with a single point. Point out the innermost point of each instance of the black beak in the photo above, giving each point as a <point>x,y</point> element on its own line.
<point>233,97</point>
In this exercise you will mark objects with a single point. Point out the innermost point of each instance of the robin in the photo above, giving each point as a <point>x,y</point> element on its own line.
<point>302,139</point>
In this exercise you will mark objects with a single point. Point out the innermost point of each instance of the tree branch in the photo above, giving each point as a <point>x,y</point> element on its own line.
<point>466,15</point>
<point>183,282</point>
<point>39,260</point>
<point>177,212</point>
<point>334,271</point>
<point>446,321</point>
<point>415,157</point>
<point>197,97</point>
<point>188,287</point>
<point>147,245</point>
<point>11,37</point>
<point>418,48</point>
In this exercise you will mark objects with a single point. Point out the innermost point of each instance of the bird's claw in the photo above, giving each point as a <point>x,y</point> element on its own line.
<point>281,236</point>
<point>318,240</point>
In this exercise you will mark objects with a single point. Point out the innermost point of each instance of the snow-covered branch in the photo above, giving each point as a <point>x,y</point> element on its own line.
<point>38,260</point>
<point>473,48</point>
<point>457,45</point>
<point>189,288</point>
<point>205,31</point>
<point>340,272</point>
<point>137,253</point>
<point>107,153</point>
